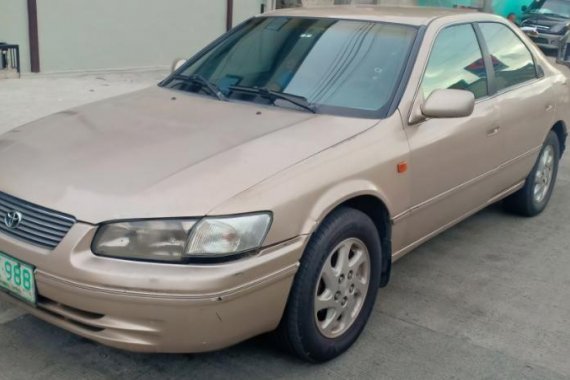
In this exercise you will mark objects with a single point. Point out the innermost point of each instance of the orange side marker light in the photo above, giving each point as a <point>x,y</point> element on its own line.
<point>402,167</point>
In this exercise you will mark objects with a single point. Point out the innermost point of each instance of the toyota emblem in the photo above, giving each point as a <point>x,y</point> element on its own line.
<point>13,219</point>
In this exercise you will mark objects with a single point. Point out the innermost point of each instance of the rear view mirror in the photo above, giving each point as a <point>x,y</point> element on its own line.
<point>178,62</point>
<point>446,104</point>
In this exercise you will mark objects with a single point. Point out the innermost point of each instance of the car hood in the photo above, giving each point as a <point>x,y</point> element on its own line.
<point>537,19</point>
<point>158,153</point>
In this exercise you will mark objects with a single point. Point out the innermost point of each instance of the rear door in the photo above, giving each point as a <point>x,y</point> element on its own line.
<point>523,96</point>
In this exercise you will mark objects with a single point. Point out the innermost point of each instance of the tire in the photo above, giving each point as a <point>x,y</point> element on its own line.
<point>533,198</point>
<point>305,329</point>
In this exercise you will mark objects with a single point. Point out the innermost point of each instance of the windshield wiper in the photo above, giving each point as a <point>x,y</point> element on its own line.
<point>550,14</point>
<point>199,79</point>
<point>299,101</point>
<point>557,15</point>
<point>542,12</point>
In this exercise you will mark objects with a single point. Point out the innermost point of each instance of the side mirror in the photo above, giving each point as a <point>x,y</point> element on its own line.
<point>178,62</point>
<point>446,104</point>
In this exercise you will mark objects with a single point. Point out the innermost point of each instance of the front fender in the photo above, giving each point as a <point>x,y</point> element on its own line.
<point>304,194</point>
<point>339,194</point>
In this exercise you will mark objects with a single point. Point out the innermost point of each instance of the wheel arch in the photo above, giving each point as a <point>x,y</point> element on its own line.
<point>378,212</point>
<point>375,208</point>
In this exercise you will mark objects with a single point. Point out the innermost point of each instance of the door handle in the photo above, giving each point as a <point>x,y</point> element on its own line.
<point>494,131</point>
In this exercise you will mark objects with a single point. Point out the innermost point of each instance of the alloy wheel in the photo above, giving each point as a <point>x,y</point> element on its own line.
<point>544,173</point>
<point>342,287</point>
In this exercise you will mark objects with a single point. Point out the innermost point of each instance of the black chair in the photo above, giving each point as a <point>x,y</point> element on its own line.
<point>10,57</point>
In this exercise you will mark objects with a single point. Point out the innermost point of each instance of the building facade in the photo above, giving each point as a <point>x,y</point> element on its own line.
<point>90,35</point>
<point>85,35</point>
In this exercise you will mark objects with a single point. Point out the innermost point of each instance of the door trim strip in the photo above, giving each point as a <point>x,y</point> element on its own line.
<point>417,243</point>
<point>438,198</point>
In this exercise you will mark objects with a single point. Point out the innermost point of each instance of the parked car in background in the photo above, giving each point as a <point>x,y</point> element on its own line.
<point>547,23</point>
<point>270,182</point>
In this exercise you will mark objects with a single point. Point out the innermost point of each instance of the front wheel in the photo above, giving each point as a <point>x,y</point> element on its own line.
<point>533,198</point>
<point>335,288</point>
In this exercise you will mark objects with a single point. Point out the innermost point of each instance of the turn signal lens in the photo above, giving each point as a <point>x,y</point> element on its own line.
<point>227,236</point>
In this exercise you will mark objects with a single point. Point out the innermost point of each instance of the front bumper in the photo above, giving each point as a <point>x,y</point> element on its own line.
<point>547,41</point>
<point>150,307</point>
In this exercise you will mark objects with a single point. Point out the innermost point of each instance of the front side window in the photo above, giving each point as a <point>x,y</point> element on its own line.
<point>512,61</point>
<point>456,62</point>
<point>336,65</point>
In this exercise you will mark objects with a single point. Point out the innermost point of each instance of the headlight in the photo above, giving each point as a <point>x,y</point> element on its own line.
<point>559,29</point>
<point>161,240</point>
<point>178,241</point>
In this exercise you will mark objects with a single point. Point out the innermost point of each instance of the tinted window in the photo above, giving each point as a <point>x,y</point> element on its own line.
<point>456,62</point>
<point>335,64</point>
<point>512,60</point>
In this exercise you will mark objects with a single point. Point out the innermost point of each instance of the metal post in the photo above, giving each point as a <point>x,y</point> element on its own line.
<point>230,15</point>
<point>33,36</point>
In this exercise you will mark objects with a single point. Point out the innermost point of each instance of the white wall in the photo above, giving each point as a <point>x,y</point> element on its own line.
<point>398,2</point>
<point>331,2</point>
<point>244,9</point>
<point>78,35</point>
<point>14,27</point>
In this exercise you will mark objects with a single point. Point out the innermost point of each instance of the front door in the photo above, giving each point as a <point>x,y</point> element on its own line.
<point>453,160</point>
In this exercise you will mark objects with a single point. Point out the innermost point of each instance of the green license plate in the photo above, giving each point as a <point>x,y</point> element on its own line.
<point>17,278</point>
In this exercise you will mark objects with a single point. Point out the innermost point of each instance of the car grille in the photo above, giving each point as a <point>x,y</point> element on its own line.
<point>39,226</point>
<point>540,40</point>
<point>540,28</point>
<point>79,318</point>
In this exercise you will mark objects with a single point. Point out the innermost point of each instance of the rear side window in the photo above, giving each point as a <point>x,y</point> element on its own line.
<point>512,61</point>
<point>456,62</point>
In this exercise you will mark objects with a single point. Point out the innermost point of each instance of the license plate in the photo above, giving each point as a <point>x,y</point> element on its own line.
<point>17,278</point>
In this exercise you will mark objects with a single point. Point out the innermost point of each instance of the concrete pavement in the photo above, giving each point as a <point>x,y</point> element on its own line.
<point>488,299</point>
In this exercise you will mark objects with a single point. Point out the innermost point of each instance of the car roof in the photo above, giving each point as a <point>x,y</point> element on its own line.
<point>396,14</point>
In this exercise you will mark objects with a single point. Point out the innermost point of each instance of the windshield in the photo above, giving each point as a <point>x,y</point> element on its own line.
<point>555,7</point>
<point>336,66</point>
